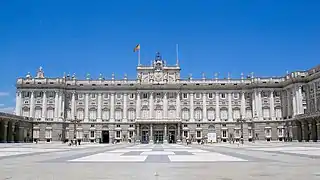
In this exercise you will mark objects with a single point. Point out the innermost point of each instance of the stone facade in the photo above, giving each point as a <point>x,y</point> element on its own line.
<point>159,106</point>
<point>15,129</point>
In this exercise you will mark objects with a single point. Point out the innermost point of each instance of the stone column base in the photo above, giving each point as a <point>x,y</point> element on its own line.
<point>165,141</point>
<point>151,142</point>
<point>3,141</point>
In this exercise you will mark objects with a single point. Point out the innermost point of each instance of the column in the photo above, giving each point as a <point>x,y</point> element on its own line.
<point>288,104</point>
<point>165,105</point>
<point>86,108</point>
<point>217,107</point>
<point>204,107</point>
<point>259,105</point>
<point>165,138</point>
<point>243,104</point>
<point>112,107</point>
<point>151,134</point>
<point>294,102</point>
<point>318,130</point>
<point>229,107</point>
<point>191,107</point>
<point>60,106</point>
<point>99,107</point>
<point>56,106</point>
<point>125,101</point>
<point>179,133</point>
<point>32,105</point>
<point>138,133</point>
<point>3,131</point>
<point>73,105</point>
<point>44,106</point>
<point>178,105</point>
<point>151,105</point>
<point>315,96</point>
<point>300,99</point>
<point>18,103</point>
<point>138,106</point>
<point>253,101</point>
<point>272,115</point>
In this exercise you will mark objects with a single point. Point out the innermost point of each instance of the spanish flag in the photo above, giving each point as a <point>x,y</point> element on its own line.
<point>137,48</point>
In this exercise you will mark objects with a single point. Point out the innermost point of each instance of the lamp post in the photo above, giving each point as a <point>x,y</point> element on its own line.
<point>240,120</point>
<point>75,122</point>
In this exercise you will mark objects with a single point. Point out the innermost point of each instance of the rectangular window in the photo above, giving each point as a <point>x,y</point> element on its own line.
<point>118,125</point>
<point>131,96</point>
<point>223,95</point>
<point>185,134</point>
<point>80,96</point>
<point>93,96</point>
<point>198,134</point>
<point>118,134</point>
<point>105,96</point>
<point>224,133</point>
<point>210,96</point>
<point>130,134</point>
<point>118,96</point>
<point>236,95</point>
<point>185,95</point>
<point>145,95</point>
<point>91,134</point>
<point>197,95</point>
<point>198,125</point>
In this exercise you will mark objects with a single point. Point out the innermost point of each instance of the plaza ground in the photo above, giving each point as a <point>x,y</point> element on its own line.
<point>261,160</point>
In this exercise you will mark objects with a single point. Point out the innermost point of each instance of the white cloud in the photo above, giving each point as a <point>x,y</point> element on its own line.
<point>8,110</point>
<point>4,94</point>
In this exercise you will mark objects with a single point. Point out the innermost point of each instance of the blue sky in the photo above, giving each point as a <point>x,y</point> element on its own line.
<point>265,37</point>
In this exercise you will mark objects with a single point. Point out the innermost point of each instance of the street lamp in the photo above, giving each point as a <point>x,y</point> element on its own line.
<point>75,122</point>
<point>240,120</point>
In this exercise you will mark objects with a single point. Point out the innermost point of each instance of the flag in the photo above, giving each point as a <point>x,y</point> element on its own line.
<point>137,48</point>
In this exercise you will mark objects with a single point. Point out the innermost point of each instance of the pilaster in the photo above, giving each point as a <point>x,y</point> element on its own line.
<point>165,105</point>
<point>229,107</point>
<point>56,106</point>
<point>178,105</point>
<point>112,107</point>
<point>73,105</point>
<point>86,109</point>
<point>272,105</point>
<point>217,111</point>
<point>125,108</point>
<point>32,105</point>
<point>138,105</point>
<point>18,103</point>
<point>204,106</point>
<point>44,106</point>
<point>151,105</point>
<point>99,107</point>
<point>191,107</point>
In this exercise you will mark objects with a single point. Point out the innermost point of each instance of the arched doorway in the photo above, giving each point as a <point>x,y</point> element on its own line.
<point>144,135</point>
<point>172,134</point>
<point>105,137</point>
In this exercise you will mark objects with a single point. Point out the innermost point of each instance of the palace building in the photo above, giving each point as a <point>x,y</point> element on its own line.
<point>159,106</point>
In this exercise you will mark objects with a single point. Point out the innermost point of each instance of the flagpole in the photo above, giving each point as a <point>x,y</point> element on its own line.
<point>139,58</point>
<point>177,53</point>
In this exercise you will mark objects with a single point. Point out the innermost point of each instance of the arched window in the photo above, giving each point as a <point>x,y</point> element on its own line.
<point>92,114</point>
<point>80,114</point>
<point>131,114</point>
<point>105,114</point>
<point>118,114</point>
<point>198,114</point>
<point>211,114</point>
<point>185,114</point>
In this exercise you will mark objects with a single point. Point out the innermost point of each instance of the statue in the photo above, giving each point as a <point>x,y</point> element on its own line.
<point>88,76</point>
<point>28,75</point>
<point>40,73</point>
<point>74,76</point>
<point>100,77</point>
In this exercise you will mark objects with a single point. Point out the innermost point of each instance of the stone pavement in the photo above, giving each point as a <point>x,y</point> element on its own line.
<point>160,161</point>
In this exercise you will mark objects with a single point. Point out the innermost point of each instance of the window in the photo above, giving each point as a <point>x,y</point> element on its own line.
<point>36,133</point>
<point>131,114</point>
<point>210,95</point>
<point>185,134</point>
<point>198,125</point>
<point>105,96</point>
<point>185,96</point>
<point>236,95</point>
<point>185,125</point>
<point>171,95</point>
<point>224,133</point>
<point>118,125</point>
<point>198,134</point>
<point>145,113</point>
<point>48,133</point>
<point>130,134</point>
<point>38,112</point>
<point>158,113</point>
<point>118,134</point>
<point>80,114</point>
<point>131,96</point>
<point>93,96</point>
<point>197,95</point>
<point>280,132</point>
<point>105,114</point>
<point>250,133</point>
<point>92,125</point>
<point>185,114</point>
<point>50,94</point>
<point>211,114</point>
<point>268,132</point>
<point>223,95</point>
<point>145,95</point>
<point>198,114</point>
<point>118,114</point>
<point>50,113</point>
<point>80,96</point>
<point>118,96</point>
<point>92,114</point>
<point>131,125</point>
<point>91,134</point>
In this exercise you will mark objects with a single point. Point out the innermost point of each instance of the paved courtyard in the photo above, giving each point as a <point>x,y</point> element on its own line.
<point>260,160</point>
